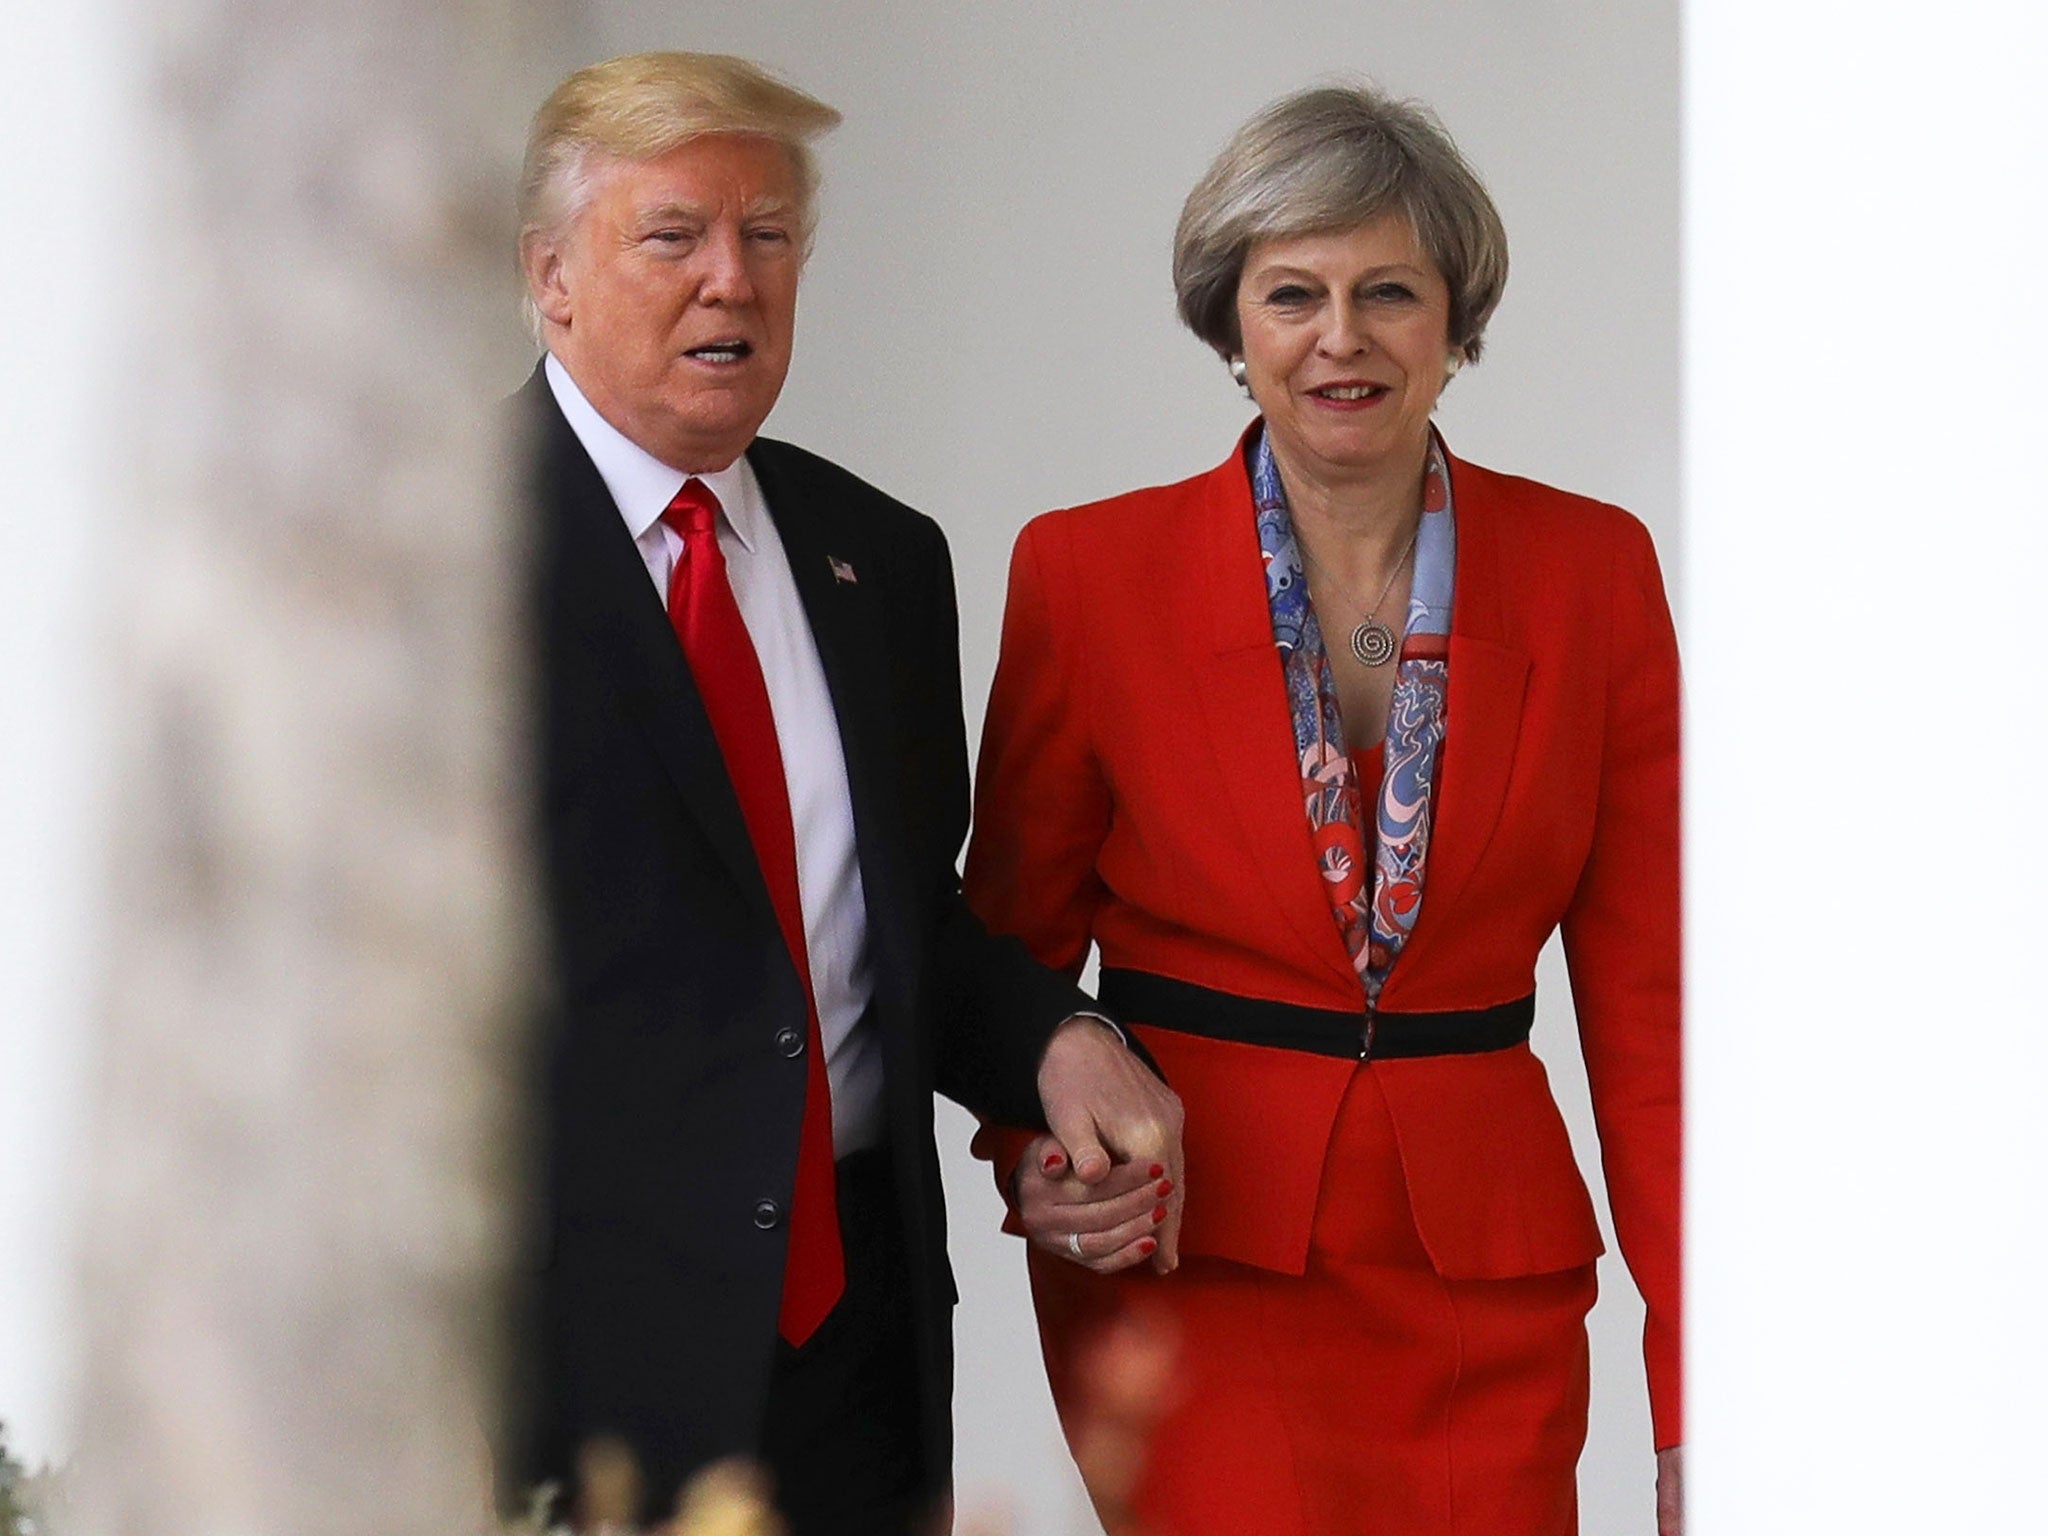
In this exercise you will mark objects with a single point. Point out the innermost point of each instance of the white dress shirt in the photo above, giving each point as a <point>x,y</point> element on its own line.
<point>813,762</point>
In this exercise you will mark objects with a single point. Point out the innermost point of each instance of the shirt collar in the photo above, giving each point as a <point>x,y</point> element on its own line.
<point>641,485</point>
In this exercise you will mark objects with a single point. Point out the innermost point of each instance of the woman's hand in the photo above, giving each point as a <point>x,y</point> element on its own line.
<point>1105,1226</point>
<point>1671,1491</point>
<point>1110,1113</point>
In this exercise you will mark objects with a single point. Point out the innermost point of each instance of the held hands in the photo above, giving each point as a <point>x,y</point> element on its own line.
<point>1104,1189</point>
<point>1112,1224</point>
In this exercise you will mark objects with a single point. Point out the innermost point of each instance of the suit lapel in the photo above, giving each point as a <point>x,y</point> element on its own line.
<point>611,611</point>
<point>1243,702</point>
<point>1489,679</point>
<point>826,568</point>
<point>1483,719</point>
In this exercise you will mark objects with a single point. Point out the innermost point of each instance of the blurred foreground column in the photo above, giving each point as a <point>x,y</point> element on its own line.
<point>317,924</point>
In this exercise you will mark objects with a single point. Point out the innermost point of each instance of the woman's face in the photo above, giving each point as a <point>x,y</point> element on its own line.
<point>1346,345</point>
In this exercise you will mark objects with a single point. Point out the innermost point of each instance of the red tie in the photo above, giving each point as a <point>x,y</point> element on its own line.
<point>728,672</point>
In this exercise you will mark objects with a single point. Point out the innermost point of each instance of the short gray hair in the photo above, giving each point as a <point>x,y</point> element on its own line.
<point>641,106</point>
<point>1329,159</point>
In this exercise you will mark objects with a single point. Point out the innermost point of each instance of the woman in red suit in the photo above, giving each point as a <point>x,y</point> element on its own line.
<point>1318,749</point>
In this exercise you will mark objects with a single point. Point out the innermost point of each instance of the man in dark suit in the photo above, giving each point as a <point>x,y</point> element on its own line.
<point>754,775</point>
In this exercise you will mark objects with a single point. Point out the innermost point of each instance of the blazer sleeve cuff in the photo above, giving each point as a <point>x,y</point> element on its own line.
<point>1667,1398</point>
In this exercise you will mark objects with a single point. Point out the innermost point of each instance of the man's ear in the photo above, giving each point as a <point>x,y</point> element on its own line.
<point>540,257</point>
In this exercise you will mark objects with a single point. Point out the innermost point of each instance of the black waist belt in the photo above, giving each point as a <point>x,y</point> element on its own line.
<point>1144,998</point>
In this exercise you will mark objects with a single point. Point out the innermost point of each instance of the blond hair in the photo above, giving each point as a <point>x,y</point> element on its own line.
<point>641,106</point>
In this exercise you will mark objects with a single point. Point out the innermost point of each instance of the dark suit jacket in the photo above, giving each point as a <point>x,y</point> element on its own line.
<point>1140,791</point>
<point>669,1115</point>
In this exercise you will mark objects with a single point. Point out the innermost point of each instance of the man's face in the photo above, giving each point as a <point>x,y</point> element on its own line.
<point>671,299</point>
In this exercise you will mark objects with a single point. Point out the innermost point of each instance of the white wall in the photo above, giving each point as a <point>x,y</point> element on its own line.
<point>987,330</point>
<point>1866,537</point>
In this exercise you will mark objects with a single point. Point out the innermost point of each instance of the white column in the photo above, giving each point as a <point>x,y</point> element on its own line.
<point>1867,574</point>
<point>61,109</point>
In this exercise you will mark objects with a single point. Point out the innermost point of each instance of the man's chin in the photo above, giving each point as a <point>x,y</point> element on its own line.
<point>702,442</point>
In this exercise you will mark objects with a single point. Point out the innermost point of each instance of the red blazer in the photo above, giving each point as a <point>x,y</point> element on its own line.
<point>1138,791</point>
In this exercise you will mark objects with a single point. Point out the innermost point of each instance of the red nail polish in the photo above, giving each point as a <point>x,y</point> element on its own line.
<point>1146,1245</point>
<point>1157,1170</point>
<point>1165,1188</point>
<point>1158,1214</point>
<point>1054,1162</point>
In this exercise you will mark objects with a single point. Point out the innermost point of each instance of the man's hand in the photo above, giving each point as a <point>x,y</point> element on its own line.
<point>1109,1225</point>
<point>1671,1491</point>
<point>1108,1115</point>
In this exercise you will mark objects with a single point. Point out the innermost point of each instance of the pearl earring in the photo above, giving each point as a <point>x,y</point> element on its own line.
<point>1237,372</point>
<point>1452,364</point>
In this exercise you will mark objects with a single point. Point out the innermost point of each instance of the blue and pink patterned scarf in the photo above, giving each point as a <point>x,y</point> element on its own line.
<point>1374,916</point>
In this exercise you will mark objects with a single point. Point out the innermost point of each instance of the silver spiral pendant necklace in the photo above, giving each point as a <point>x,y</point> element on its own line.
<point>1372,641</point>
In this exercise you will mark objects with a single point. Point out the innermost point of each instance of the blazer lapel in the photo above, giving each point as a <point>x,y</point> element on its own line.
<point>1482,715</point>
<point>610,609</point>
<point>1243,703</point>
<point>1483,718</point>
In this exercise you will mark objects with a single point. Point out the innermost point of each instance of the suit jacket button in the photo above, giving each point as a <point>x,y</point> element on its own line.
<point>789,1041</point>
<point>767,1215</point>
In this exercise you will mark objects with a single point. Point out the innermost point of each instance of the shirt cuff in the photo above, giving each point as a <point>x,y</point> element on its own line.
<point>1103,1019</point>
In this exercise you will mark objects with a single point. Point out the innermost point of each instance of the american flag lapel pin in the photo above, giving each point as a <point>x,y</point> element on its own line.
<point>841,571</point>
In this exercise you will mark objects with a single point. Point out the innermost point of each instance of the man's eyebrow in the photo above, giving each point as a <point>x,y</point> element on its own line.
<point>657,213</point>
<point>770,206</point>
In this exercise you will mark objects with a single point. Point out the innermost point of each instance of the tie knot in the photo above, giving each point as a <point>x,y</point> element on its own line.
<point>694,510</point>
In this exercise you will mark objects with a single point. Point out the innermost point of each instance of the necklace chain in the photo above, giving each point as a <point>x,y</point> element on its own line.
<point>1372,642</point>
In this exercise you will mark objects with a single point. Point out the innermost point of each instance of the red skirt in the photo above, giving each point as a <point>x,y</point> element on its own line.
<point>1367,1395</point>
